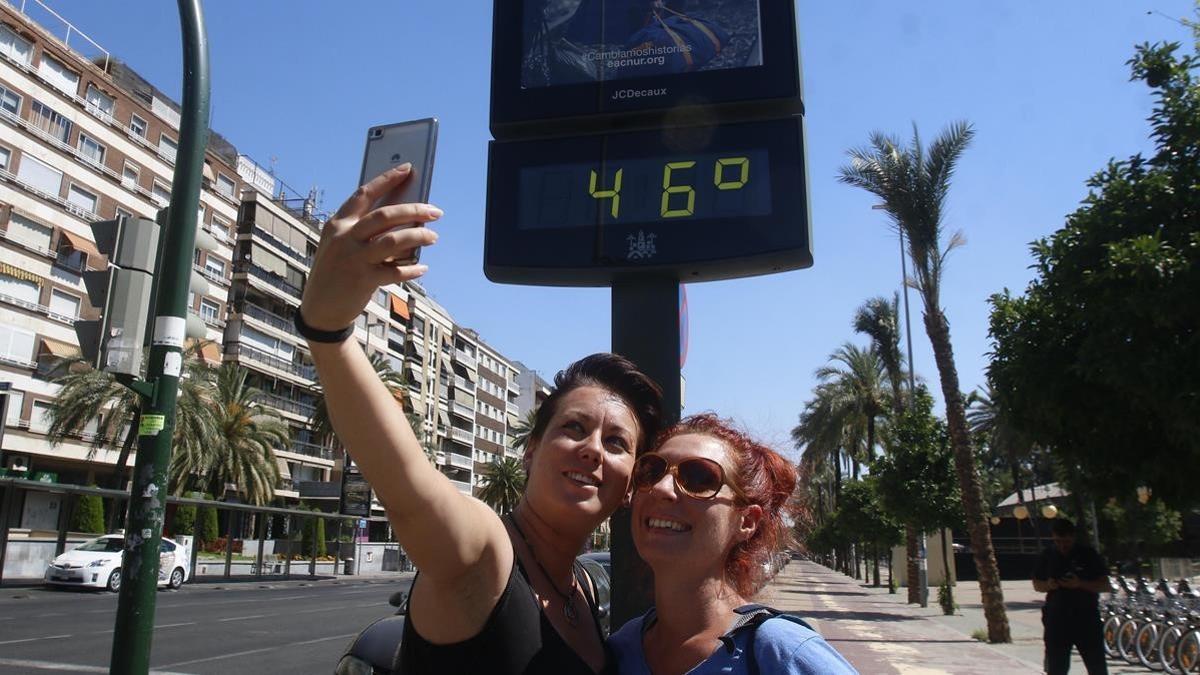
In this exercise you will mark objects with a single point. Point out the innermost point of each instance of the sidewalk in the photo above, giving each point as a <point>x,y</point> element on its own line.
<point>878,633</point>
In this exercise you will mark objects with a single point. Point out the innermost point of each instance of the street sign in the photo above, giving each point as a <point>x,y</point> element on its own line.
<point>695,204</point>
<point>571,66</point>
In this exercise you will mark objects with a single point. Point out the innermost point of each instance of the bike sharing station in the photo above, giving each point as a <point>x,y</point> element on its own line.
<point>640,145</point>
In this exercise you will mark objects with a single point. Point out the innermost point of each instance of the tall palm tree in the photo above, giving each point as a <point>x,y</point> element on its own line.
<point>859,374</point>
<point>879,319</point>
<point>987,416</point>
<point>396,382</point>
<point>238,443</point>
<point>522,430</point>
<point>503,482</point>
<point>913,183</point>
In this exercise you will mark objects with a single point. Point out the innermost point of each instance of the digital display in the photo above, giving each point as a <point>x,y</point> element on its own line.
<point>569,42</point>
<point>674,188</point>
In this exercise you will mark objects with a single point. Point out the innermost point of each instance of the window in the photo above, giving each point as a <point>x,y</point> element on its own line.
<point>138,125</point>
<point>16,345</point>
<point>39,419</point>
<point>49,121</point>
<point>5,155</point>
<point>64,304</point>
<point>225,185</point>
<point>162,194</point>
<point>28,232</point>
<point>10,101</point>
<point>20,290</point>
<point>215,267</point>
<point>167,147</point>
<point>123,213</point>
<point>383,298</point>
<point>82,198</point>
<point>14,46</point>
<point>196,261</point>
<point>130,175</point>
<point>39,175</point>
<point>58,75</point>
<point>91,149</point>
<point>16,402</point>
<point>99,102</point>
<point>209,310</point>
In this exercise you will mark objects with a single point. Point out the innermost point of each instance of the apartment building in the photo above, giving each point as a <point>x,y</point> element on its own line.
<point>85,138</point>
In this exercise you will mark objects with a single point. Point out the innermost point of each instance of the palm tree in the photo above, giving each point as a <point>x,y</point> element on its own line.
<point>988,417</point>
<point>858,373</point>
<point>879,319</point>
<point>396,382</point>
<point>237,442</point>
<point>503,482</point>
<point>912,184</point>
<point>87,395</point>
<point>522,430</point>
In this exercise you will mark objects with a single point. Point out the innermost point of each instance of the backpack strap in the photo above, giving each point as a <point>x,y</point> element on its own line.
<point>750,617</point>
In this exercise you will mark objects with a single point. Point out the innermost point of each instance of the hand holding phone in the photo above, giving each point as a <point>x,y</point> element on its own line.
<point>392,145</point>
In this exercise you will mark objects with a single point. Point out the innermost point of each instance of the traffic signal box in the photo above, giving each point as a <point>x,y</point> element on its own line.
<point>123,291</point>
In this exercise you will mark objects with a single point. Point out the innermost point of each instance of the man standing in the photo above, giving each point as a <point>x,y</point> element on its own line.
<point>1072,576</point>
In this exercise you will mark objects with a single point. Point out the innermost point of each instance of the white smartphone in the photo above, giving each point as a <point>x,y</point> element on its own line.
<point>391,145</point>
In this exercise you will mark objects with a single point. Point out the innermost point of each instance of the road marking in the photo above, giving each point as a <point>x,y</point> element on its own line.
<point>176,625</point>
<point>45,637</point>
<point>259,651</point>
<point>70,667</point>
<point>243,618</point>
<point>46,616</point>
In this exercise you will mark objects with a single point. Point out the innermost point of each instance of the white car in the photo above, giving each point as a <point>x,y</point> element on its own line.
<point>97,564</point>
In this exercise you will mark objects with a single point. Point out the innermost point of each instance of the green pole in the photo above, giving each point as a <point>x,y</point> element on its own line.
<point>140,561</point>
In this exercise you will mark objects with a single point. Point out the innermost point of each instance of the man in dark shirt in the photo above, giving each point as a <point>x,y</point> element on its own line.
<point>1072,576</point>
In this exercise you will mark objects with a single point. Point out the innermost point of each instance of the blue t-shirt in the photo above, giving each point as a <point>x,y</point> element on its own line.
<point>780,646</point>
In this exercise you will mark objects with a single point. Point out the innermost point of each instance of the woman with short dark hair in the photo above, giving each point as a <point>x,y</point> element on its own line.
<point>494,595</point>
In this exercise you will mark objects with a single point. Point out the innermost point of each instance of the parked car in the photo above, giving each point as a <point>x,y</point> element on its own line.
<point>97,564</point>
<point>376,650</point>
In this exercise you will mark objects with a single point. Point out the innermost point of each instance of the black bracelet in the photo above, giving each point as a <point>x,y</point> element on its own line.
<point>316,335</point>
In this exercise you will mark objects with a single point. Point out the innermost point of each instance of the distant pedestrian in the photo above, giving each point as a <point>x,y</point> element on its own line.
<point>1072,576</point>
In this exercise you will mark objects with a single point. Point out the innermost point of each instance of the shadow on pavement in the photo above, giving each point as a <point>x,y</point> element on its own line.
<point>823,592</point>
<point>843,615</point>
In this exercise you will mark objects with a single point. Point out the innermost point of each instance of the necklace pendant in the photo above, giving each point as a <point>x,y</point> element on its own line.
<point>570,612</point>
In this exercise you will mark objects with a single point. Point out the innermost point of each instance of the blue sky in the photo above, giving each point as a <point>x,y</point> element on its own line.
<point>297,82</point>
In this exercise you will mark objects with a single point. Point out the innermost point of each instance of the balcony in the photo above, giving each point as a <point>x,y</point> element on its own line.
<point>466,359</point>
<point>311,489</point>
<point>35,307</point>
<point>249,353</point>
<point>464,384</point>
<point>462,436</point>
<point>459,461</point>
<point>512,409</point>
<point>311,450</point>
<point>287,405</point>
<point>464,488</point>
<point>281,246</point>
<point>514,387</point>
<point>463,410</point>
<point>44,252</point>
<point>273,280</point>
<point>210,275</point>
<point>270,318</point>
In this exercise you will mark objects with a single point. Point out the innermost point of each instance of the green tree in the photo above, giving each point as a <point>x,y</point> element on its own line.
<point>522,430</point>
<point>916,482</point>
<point>209,531</point>
<point>311,526</point>
<point>1141,530</point>
<point>503,483</point>
<point>89,515</point>
<point>185,520</point>
<point>857,374</point>
<point>239,438</point>
<point>913,184</point>
<point>1098,358</point>
<point>862,518</point>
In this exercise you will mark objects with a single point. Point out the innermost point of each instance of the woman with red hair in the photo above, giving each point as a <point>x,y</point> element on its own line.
<point>708,506</point>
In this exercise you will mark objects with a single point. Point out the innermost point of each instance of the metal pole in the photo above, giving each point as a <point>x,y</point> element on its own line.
<point>6,507</point>
<point>645,329</point>
<point>922,551</point>
<point>134,626</point>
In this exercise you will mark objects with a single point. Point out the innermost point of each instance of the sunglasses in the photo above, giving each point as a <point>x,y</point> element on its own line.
<point>696,477</point>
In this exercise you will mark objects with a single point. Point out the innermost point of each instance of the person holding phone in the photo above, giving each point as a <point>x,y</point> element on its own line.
<point>708,510</point>
<point>1072,576</point>
<point>493,595</point>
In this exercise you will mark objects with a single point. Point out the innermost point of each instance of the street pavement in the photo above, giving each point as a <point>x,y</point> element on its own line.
<point>879,634</point>
<point>256,627</point>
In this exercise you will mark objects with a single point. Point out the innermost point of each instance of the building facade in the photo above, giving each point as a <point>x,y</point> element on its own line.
<point>85,138</point>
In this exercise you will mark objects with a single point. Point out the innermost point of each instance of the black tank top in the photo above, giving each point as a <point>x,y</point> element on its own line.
<point>516,639</point>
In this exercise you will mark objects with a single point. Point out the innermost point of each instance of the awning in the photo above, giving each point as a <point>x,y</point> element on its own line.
<point>208,173</point>
<point>284,472</point>
<point>211,353</point>
<point>417,404</point>
<point>18,273</point>
<point>443,417</point>
<point>80,244</point>
<point>62,350</point>
<point>415,371</point>
<point>418,350</point>
<point>400,308</point>
<point>470,375</point>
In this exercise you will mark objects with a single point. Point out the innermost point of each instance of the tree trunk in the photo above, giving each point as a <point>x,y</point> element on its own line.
<point>911,546</point>
<point>875,551</point>
<point>1016,476</point>
<point>968,478</point>
<point>119,471</point>
<point>871,438</point>
<point>946,568</point>
<point>891,577</point>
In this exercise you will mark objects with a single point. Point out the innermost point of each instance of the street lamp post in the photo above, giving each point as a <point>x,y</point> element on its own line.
<point>922,552</point>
